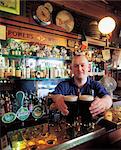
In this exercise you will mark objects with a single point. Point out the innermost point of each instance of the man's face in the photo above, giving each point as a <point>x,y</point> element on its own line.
<point>80,67</point>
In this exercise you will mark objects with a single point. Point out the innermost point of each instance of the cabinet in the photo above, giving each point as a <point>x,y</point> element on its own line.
<point>28,71</point>
<point>43,66</point>
<point>33,70</point>
<point>33,67</point>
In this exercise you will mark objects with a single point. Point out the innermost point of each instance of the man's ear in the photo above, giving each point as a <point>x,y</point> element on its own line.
<point>70,66</point>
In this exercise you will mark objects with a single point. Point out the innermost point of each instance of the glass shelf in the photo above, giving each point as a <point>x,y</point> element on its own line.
<point>34,57</point>
<point>32,79</point>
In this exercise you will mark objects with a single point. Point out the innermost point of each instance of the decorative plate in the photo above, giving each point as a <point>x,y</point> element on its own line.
<point>65,20</point>
<point>8,117</point>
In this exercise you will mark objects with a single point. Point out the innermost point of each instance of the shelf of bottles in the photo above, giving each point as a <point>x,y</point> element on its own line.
<point>31,61</point>
<point>96,61</point>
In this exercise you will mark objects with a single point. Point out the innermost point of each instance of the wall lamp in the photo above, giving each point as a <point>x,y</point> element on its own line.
<point>106,25</point>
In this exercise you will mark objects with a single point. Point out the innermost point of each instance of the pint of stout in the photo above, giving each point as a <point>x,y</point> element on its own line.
<point>71,102</point>
<point>84,103</point>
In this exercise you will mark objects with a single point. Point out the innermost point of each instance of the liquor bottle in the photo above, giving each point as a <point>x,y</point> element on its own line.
<point>2,71</point>
<point>12,68</point>
<point>31,105</point>
<point>2,102</point>
<point>12,52</point>
<point>23,72</point>
<point>18,71</point>
<point>28,72</point>
<point>7,103</point>
<point>19,51</point>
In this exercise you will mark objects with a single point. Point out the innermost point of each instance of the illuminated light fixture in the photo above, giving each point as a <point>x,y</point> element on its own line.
<point>106,25</point>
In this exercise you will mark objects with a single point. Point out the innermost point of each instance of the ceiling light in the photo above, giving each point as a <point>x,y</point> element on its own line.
<point>106,25</point>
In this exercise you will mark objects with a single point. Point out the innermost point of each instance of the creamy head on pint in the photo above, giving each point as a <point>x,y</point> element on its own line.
<point>86,98</point>
<point>70,98</point>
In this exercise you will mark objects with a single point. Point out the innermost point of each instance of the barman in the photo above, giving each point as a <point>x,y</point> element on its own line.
<point>82,84</point>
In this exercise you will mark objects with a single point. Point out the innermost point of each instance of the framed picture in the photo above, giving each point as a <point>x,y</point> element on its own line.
<point>10,6</point>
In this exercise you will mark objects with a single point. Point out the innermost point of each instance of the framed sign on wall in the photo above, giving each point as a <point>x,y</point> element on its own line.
<point>10,6</point>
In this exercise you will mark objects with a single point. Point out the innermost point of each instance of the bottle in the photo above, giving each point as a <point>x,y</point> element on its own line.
<point>32,73</point>
<point>12,68</point>
<point>23,72</point>
<point>2,72</point>
<point>28,72</point>
<point>7,103</point>
<point>31,105</point>
<point>2,102</point>
<point>18,71</point>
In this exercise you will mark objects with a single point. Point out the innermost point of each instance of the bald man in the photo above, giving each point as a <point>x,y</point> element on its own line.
<point>81,84</point>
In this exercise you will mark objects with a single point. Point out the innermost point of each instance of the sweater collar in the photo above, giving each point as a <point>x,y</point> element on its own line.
<point>88,81</point>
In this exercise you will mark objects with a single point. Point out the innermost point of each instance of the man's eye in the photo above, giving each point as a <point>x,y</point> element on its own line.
<point>76,66</point>
<point>82,65</point>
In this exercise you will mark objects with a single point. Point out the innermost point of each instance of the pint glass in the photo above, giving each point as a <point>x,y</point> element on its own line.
<point>84,102</point>
<point>71,102</point>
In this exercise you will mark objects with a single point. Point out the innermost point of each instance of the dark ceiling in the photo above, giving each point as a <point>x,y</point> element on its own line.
<point>114,4</point>
<point>95,8</point>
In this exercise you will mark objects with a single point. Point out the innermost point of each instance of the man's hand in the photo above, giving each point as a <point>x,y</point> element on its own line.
<point>60,104</point>
<point>99,105</point>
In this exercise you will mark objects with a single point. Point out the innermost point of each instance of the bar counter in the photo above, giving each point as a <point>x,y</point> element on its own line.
<point>58,135</point>
<point>105,134</point>
<point>77,142</point>
<point>99,139</point>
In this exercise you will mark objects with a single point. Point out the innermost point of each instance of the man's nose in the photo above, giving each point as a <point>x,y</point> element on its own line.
<point>79,67</point>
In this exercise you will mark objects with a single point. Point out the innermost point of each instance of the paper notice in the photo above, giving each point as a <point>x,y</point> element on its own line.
<point>2,32</point>
<point>106,54</point>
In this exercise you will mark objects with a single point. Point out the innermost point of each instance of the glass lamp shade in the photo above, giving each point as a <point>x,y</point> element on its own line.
<point>106,25</point>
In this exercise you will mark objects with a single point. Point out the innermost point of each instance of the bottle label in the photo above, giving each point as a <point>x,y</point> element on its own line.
<point>18,73</point>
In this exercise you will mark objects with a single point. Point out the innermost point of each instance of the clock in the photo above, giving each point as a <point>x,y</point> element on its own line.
<point>43,14</point>
<point>49,7</point>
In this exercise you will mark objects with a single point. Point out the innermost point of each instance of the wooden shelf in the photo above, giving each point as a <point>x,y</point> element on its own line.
<point>97,42</point>
<point>34,57</point>
<point>114,48</point>
<point>31,79</point>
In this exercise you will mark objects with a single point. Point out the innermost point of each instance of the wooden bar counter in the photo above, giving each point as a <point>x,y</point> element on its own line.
<point>58,136</point>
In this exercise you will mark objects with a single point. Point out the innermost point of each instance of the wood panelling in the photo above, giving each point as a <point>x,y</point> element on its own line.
<point>82,11</point>
<point>28,23</point>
